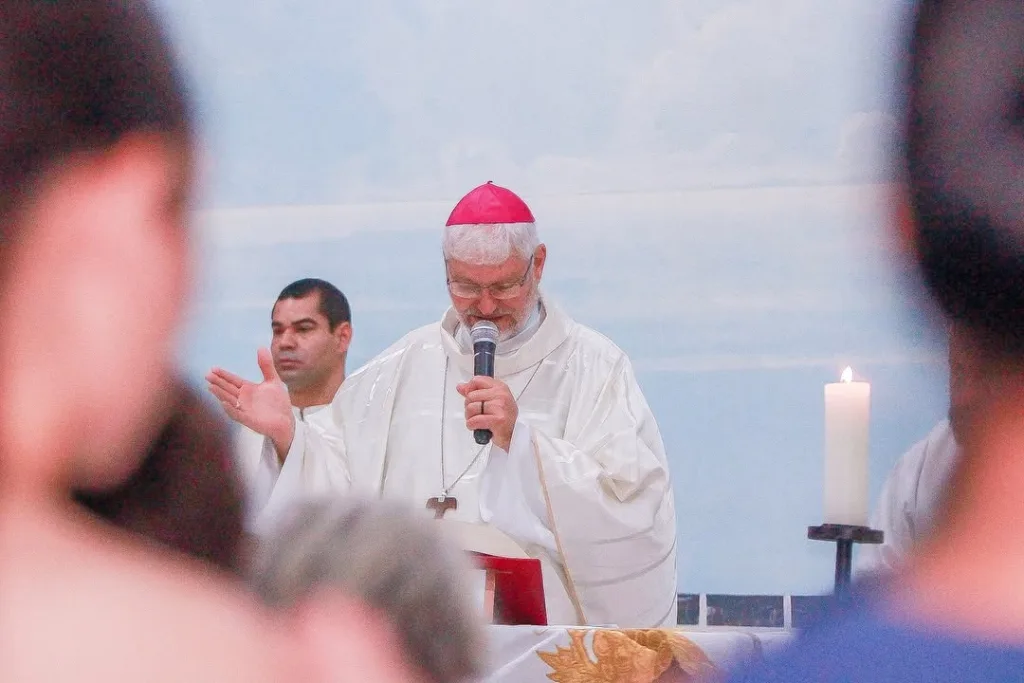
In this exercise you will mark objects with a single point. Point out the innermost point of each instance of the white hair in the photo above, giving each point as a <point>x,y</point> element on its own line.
<point>392,558</point>
<point>490,244</point>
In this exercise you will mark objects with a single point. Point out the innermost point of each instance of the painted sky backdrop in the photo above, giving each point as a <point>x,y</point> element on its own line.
<point>709,178</point>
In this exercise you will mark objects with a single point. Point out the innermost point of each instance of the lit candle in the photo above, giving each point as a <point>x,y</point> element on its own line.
<point>847,411</point>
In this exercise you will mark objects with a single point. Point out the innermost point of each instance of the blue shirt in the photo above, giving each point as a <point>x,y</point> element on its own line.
<point>856,641</point>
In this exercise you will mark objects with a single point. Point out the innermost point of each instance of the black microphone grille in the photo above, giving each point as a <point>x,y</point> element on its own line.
<point>484,331</point>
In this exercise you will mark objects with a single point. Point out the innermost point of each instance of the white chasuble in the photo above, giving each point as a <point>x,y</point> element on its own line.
<point>585,485</point>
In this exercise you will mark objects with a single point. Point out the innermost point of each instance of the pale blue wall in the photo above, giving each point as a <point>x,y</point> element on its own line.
<point>701,171</point>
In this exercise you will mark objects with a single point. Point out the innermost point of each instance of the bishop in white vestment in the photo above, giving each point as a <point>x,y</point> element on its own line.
<point>576,471</point>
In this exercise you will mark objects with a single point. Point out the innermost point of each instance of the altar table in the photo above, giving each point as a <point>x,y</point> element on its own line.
<point>524,654</point>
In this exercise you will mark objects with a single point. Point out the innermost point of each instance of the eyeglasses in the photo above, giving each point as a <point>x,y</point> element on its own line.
<point>500,291</point>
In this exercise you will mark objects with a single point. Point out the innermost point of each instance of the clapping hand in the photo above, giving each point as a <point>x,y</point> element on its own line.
<point>264,408</point>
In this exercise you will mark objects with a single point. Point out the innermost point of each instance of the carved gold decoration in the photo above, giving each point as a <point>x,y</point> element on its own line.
<point>627,656</point>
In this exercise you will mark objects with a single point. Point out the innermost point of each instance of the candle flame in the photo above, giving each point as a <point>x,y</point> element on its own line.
<point>847,375</point>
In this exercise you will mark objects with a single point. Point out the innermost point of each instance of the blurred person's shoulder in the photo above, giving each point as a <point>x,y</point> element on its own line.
<point>98,605</point>
<point>855,639</point>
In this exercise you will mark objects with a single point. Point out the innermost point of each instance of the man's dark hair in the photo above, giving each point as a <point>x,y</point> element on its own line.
<point>964,147</point>
<point>333,304</point>
<point>77,77</point>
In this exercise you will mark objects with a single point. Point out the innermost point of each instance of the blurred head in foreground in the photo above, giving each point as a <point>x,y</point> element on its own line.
<point>395,560</point>
<point>95,180</point>
<point>964,156</point>
<point>955,610</point>
<point>95,175</point>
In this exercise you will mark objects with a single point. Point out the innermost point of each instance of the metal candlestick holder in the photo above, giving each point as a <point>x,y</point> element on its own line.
<point>844,536</point>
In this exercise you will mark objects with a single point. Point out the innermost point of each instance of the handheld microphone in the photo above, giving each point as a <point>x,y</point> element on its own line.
<point>485,340</point>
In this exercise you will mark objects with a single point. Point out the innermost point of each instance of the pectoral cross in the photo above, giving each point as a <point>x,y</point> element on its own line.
<point>442,504</point>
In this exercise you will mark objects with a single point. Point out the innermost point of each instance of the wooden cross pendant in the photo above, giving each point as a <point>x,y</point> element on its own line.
<point>442,504</point>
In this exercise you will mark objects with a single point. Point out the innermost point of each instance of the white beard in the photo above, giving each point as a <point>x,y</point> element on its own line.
<point>505,335</point>
<point>530,310</point>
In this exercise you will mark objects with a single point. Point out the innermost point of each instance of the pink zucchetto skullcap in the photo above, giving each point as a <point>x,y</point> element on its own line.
<point>490,204</point>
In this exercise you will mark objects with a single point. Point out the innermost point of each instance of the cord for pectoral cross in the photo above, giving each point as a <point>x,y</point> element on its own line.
<point>438,504</point>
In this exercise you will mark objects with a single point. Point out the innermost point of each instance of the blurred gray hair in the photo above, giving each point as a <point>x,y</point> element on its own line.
<point>392,558</point>
<point>490,245</point>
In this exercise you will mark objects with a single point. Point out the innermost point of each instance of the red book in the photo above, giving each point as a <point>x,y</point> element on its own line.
<point>518,589</point>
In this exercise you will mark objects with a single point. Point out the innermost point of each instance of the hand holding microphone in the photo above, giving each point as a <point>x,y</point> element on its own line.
<point>491,410</point>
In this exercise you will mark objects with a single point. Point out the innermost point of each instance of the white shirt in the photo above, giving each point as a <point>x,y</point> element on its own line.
<point>260,467</point>
<point>910,499</point>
